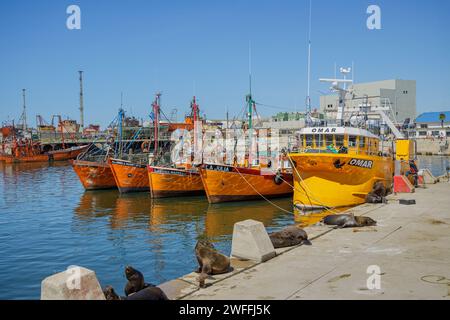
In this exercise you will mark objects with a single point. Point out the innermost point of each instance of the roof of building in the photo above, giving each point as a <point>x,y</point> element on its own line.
<point>433,117</point>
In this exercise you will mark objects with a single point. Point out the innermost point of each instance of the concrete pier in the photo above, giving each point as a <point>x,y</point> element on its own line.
<point>406,256</point>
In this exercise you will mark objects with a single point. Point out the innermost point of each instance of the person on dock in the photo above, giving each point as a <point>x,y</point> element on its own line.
<point>413,170</point>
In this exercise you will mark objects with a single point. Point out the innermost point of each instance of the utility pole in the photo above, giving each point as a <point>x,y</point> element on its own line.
<point>81,102</point>
<point>24,112</point>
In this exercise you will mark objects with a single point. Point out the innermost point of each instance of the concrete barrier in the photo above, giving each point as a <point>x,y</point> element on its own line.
<point>403,185</point>
<point>76,283</point>
<point>251,242</point>
<point>428,177</point>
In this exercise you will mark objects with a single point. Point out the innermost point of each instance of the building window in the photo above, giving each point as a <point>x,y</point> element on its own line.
<point>423,126</point>
<point>422,133</point>
<point>435,133</point>
<point>448,133</point>
<point>405,92</point>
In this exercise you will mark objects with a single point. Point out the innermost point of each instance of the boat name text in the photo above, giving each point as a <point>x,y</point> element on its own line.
<point>361,163</point>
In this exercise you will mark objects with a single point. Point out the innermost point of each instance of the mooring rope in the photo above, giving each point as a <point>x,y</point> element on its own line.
<point>262,196</point>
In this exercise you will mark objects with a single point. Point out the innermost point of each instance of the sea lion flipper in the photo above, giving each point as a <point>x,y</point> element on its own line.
<point>306,242</point>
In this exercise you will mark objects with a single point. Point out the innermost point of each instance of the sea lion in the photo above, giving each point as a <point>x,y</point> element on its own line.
<point>135,281</point>
<point>378,193</point>
<point>365,221</point>
<point>148,293</point>
<point>348,221</point>
<point>288,237</point>
<point>210,261</point>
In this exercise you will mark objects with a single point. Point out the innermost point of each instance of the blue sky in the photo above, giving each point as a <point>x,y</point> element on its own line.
<point>139,47</point>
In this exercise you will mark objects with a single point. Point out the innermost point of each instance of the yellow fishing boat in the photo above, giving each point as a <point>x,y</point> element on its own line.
<point>338,167</point>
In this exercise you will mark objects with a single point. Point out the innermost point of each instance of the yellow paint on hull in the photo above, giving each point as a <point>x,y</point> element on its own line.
<point>337,180</point>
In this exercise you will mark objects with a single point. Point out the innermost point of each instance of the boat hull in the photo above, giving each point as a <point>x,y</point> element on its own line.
<point>34,158</point>
<point>66,154</point>
<point>337,180</point>
<point>129,176</point>
<point>227,184</point>
<point>94,175</point>
<point>59,155</point>
<point>168,182</point>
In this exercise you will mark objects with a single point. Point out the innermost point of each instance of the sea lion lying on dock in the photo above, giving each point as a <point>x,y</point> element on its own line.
<point>348,221</point>
<point>135,281</point>
<point>378,193</point>
<point>210,261</point>
<point>148,293</point>
<point>288,237</point>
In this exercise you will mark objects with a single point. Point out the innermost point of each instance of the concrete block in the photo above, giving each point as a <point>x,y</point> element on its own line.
<point>402,185</point>
<point>428,177</point>
<point>251,242</point>
<point>76,283</point>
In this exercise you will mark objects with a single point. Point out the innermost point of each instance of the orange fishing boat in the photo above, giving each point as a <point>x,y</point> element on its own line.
<point>129,176</point>
<point>175,182</point>
<point>94,175</point>
<point>169,182</point>
<point>31,152</point>
<point>224,183</point>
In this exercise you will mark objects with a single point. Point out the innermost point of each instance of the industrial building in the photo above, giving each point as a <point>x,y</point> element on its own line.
<point>397,97</point>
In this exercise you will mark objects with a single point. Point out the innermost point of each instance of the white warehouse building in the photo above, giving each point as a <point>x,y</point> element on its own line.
<point>398,96</point>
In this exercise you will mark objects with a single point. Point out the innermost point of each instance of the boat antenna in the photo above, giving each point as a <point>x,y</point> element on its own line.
<point>308,97</point>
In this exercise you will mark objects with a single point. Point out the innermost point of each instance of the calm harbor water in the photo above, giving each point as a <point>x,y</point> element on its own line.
<point>48,222</point>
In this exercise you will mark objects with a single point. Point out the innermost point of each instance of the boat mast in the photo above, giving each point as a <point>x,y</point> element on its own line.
<point>195,117</point>
<point>156,111</point>
<point>120,133</point>
<point>81,102</point>
<point>308,96</point>
<point>24,112</point>
<point>251,105</point>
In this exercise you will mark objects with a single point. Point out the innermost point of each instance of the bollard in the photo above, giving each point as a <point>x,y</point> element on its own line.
<point>76,283</point>
<point>251,242</point>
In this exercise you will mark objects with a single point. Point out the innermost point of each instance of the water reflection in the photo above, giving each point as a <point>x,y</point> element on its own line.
<point>172,215</point>
<point>220,218</point>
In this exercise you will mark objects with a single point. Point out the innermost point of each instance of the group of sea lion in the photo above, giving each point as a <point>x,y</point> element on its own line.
<point>212,262</point>
<point>136,288</point>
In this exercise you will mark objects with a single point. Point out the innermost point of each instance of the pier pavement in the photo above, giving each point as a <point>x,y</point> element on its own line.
<point>409,249</point>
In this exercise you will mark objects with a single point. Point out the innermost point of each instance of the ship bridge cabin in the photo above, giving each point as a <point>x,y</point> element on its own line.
<point>343,140</point>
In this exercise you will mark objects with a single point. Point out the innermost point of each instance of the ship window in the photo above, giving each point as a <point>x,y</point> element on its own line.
<point>309,140</point>
<point>339,140</point>
<point>318,140</point>
<point>300,141</point>
<point>328,140</point>
<point>362,143</point>
<point>352,141</point>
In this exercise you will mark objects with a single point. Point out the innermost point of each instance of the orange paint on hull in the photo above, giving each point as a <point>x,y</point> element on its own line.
<point>168,182</point>
<point>129,176</point>
<point>94,175</point>
<point>226,183</point>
